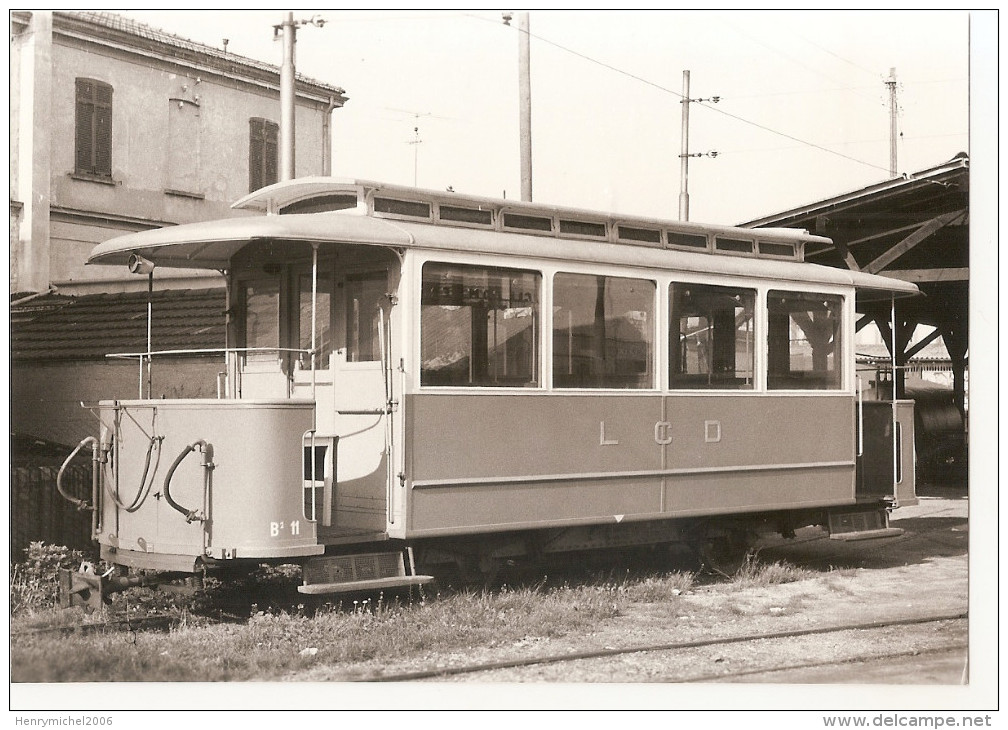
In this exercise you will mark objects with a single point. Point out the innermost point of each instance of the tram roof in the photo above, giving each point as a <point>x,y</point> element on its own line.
<point>212,244</point>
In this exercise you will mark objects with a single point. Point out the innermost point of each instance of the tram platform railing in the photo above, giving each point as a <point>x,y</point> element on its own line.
<point>236,360</point>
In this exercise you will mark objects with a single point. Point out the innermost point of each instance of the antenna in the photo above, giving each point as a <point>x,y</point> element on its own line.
<point>416,141</point>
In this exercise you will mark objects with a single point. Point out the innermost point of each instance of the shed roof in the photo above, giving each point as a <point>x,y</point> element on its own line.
<point>914,227</point>
<point>55,327</point>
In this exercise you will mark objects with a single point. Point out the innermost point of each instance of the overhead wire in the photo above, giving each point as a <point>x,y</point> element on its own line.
<point>704,105</point>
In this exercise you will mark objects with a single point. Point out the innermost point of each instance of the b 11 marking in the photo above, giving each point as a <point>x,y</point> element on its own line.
<point>277,527</point>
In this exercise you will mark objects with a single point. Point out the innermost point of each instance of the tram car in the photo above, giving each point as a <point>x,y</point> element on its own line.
<point>414,379</point>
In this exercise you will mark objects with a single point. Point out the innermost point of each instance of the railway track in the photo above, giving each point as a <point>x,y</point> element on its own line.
<point>444,672</point>
<point>155,621</point>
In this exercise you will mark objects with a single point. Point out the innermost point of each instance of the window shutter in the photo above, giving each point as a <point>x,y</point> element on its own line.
<point>270,131</point>
<point>103,130</point>
<point>255,154</point>
<point>93,128</point>
<point>84,123</point>
<point>262,153</point>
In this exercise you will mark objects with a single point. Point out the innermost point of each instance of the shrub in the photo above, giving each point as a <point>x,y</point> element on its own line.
<point>34,583</point>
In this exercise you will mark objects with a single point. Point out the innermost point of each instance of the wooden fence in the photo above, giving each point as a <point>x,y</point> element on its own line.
<point>39,512</point>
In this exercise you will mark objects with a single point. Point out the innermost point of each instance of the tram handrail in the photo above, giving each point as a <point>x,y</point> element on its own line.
<point>207,351</point>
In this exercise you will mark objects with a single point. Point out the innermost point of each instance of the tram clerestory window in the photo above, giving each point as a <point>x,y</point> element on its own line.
<point>711,342</point>
<point>804,341</point>
<point>603,332</point>
<point>479,326</point>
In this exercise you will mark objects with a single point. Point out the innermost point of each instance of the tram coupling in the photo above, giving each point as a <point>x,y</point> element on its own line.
<point>91,590</point>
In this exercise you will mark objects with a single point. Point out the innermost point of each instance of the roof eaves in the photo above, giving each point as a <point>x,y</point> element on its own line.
<point>134,32</point>
<point>898,184</point>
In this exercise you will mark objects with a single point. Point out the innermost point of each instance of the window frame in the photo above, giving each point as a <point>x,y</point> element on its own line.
<point>754,286</point>
<point>538,340</point>
<point>654,345</point>
<point>842,354</point>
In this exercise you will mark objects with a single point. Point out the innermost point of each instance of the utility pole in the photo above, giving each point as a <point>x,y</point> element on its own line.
<point>891,83</point>
<point>684,154</point>
<point>525,112</point>
<point>684,151</point>
<point>416,151</point>
<point>287,31</point>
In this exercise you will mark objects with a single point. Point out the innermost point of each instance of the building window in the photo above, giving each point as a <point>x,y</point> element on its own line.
<point>804,345</point>
<point>479,326</point>
<point>711,341</point>
<point>603,332</point>
<point>262,153</point>
<point>93,137</point>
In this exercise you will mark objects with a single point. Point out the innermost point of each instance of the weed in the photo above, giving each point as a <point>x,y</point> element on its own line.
<point>34,583</point>
<point>756,573</point>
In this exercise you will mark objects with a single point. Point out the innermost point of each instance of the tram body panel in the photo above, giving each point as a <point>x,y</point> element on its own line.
<point>253,504</point>
<point>518,461</point>
<point>760,430</point>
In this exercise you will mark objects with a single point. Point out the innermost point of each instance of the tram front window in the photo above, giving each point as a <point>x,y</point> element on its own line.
<point>479,326</point>
<point>711,339</point>
<point>323,317</point>
<point>365,295</point>
<point>804,340</point>
<point>262,314</point>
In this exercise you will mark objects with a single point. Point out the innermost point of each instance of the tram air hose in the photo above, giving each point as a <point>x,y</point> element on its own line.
<point>81,504</point>
<point>189,514</point>
<point>144,489</point>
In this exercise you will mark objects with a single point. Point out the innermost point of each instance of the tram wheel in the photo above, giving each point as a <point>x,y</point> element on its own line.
<point>724,553</point>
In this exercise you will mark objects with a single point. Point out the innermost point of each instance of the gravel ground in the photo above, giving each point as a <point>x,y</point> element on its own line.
<point>856,582</point>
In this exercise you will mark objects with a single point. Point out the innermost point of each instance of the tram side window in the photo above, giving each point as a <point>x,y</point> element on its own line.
<point>323,319</point>
<point>479,326</point>
<point>804,341</point>
<point>603,332</point>
<point>711,342</point>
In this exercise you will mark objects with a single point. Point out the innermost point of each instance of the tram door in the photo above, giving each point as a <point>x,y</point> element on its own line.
<point>361,395</point>
<point>352,388</point>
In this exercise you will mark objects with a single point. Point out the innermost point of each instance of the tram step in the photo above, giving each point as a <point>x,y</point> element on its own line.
<point>861,525</point>
<point>404,581</point>
<point>867,534</point>
<point>360,572</point>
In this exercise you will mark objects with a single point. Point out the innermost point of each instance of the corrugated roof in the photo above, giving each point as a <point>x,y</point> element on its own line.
<point>136,29</point>
<point>57,327</point>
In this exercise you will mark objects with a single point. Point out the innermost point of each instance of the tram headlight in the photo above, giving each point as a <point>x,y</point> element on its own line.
<point>139,265</point>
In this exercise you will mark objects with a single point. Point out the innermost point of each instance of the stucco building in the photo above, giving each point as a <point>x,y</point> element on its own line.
<point>117,127</point>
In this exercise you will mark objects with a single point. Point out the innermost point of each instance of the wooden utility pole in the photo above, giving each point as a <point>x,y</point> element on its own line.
<point>891,83</point>
<point>525,103</point>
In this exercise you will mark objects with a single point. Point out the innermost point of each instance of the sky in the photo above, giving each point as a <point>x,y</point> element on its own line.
<point>803,110</point>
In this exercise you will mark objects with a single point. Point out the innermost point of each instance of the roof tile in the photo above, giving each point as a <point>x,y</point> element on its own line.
<point>57,327</point>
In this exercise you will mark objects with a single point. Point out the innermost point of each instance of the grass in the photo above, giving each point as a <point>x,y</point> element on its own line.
<point>273,643</point>
<point>281,637</point>
<point>754,573</point>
